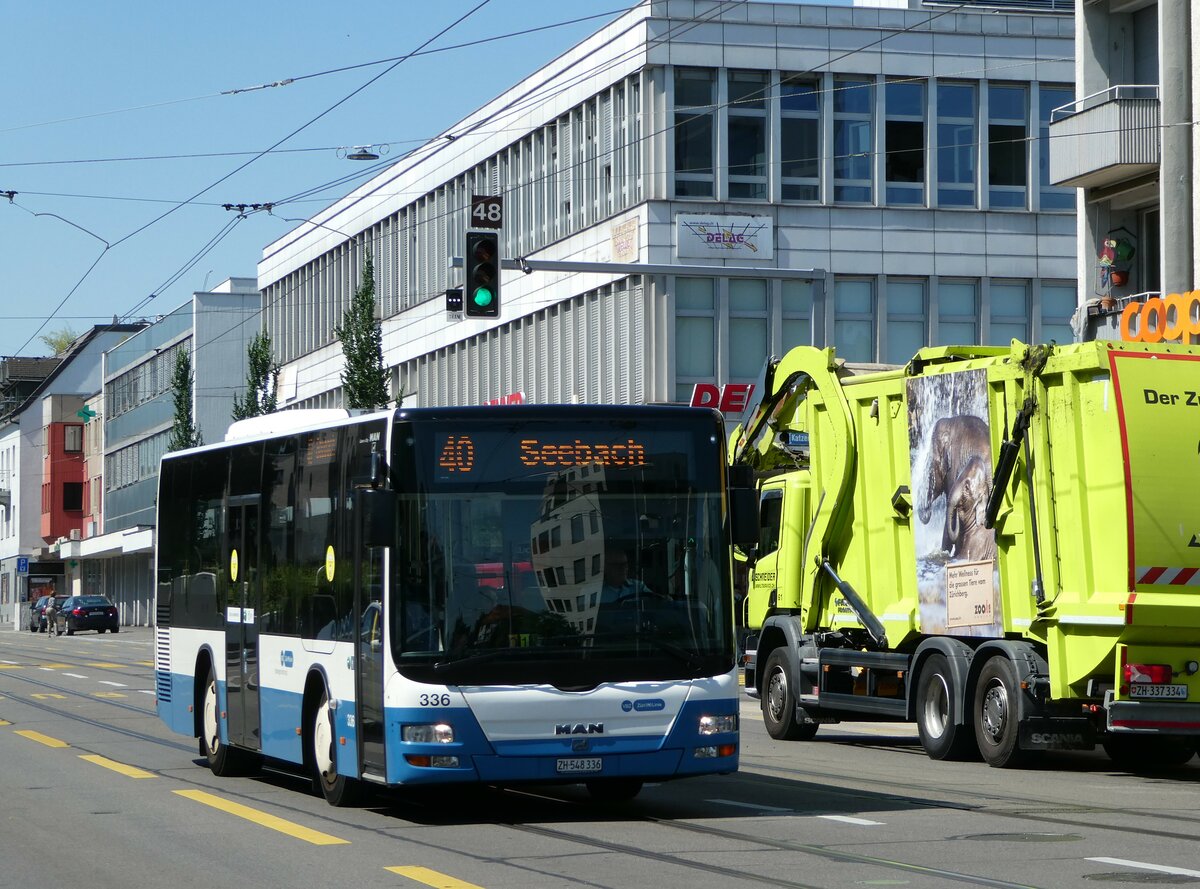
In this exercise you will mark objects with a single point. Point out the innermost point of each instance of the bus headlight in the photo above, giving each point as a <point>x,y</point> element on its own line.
<point>430,733</point>
<point>717,725</point>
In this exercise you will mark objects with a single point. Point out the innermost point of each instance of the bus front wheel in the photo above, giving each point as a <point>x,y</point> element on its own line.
<point>221,760</point>
<point>338,790</point>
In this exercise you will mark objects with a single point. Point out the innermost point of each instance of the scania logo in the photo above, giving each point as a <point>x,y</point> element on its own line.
<point>579,728</point>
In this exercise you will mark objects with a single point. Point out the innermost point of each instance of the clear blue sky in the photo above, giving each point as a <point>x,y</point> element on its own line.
<point>81,83</point>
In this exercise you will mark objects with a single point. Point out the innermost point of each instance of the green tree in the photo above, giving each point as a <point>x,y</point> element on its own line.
<point>262,375</point>
<point>184,433</point>
<point>59,339</point>
<point>364,380</point>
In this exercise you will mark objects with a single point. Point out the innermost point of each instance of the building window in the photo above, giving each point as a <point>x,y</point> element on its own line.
<point>958,313</point>
<point>748,344</point>
<point>1008,313</point>
<point>695,334</point>
<point>72,497</point>
<point>748,135</point>
<point>800,138</point>
<point>904,141</point>
<point>1057,306</point>
<point>694,105</point>
<point>797,323</point>
<point>1007,146</point>
<point>1054,197</point>
<point>854,319</point>
<point>73,438</point>
<point>905,331</point>
<point>853,158</point>
<point>956,145</point>
<point>1151,250</point>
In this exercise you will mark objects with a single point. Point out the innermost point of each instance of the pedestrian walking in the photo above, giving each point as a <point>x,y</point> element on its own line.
<point>51,613</point>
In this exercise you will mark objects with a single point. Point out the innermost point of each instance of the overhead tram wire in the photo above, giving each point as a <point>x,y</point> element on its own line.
<point>1028,138</point>
<point>689,25</point>
<point>309,123</point>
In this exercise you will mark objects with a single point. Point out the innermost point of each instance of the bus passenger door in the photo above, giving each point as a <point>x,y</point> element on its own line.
<point>368,594</point>
<point>241,623</point>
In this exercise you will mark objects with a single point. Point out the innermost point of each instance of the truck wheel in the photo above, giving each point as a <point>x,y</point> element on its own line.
<point>1142,753</point>
<point>937,695</point>
<point>779,702</point>
<point>996,715</point>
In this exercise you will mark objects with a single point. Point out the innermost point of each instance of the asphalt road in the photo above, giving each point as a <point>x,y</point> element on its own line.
<point>85,761</point>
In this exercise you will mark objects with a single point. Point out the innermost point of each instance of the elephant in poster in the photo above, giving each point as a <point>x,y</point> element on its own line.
<point>953,442</point>
<point>966,506</point>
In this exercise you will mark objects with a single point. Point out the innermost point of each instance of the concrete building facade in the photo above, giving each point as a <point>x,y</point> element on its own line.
<point>873,179</point>
<point>137,413</point>
<point>1129,142</point>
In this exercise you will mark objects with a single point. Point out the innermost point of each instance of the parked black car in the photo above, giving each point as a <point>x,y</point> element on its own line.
<point>37,614</point>
<point>91,613</point>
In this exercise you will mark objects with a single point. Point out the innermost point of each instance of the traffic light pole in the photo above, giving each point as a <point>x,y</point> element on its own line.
<point>528,266</point>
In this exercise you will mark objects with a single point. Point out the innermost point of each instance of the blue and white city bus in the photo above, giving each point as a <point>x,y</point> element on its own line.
<point>419,597</point>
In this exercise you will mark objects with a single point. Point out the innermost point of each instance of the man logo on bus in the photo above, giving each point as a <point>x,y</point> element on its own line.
<point>579,728</point>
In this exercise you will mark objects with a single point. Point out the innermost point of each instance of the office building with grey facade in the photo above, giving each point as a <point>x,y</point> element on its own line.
<point>870,178</point>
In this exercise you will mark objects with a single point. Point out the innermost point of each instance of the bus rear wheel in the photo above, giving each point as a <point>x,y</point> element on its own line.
<point>337,789</point>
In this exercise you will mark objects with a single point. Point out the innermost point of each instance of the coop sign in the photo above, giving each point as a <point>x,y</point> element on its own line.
<point>1171,318</point>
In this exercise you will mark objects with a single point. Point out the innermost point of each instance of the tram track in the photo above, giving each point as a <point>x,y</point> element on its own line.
<point>988,801</point>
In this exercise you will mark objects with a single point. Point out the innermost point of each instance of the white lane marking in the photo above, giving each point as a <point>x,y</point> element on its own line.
<point>731,802</point>
<point>7,662</point>
<point>1161,868</point>
<point>109,682</point>
<point>848,820</point>
<point>146,691</point>
<point>75,675</point>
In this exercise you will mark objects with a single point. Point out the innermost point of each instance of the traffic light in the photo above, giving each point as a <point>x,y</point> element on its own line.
<point>482,296</point>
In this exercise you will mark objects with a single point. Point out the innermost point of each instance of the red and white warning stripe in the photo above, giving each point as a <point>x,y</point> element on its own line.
<point>1168,576</point>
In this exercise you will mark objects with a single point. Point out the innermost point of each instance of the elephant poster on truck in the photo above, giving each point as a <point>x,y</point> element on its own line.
<point>950,456</point>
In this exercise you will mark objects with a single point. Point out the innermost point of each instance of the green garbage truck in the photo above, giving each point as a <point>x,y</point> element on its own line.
<point>1001,545</point>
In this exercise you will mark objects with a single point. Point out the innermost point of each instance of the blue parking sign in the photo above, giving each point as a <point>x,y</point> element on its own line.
<point>22,564</point>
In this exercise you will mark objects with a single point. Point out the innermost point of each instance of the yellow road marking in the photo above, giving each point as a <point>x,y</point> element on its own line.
<point>144,663</point>
<point>12,666</point>
<point>291,829</point>
<point>54,666</point>
<point>5,722</point>
<point>41,739</point>
<point>107,694</point>
<point>106,666</point>
<point>130,771</point>
<point>431,878</point>
<point>45,695</point>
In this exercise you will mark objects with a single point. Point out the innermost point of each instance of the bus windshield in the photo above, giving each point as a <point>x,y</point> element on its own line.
<point>542,554</point>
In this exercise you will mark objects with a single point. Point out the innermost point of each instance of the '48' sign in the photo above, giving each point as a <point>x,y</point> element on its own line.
<point>487,211</point>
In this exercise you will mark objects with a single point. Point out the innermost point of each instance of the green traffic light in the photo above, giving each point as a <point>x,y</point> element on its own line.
<point>482,297</point>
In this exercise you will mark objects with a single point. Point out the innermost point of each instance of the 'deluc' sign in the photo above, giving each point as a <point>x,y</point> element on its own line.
<point>730,398</point>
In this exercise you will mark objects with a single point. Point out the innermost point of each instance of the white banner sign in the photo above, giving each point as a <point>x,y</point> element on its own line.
<point>725,237</point>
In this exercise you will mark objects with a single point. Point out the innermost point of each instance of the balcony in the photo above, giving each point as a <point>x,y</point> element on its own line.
<point>1106,137</point>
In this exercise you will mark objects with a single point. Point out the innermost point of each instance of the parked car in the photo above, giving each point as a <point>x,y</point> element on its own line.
<point>37,614</point>
<point>91,613</point>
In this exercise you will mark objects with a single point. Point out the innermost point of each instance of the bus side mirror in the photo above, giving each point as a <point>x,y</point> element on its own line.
<point>378,509</point>
<point>743,507</point>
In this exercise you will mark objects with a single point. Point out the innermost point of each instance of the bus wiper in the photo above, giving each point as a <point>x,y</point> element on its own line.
<point>688,658</point>
<point>483,657</point>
